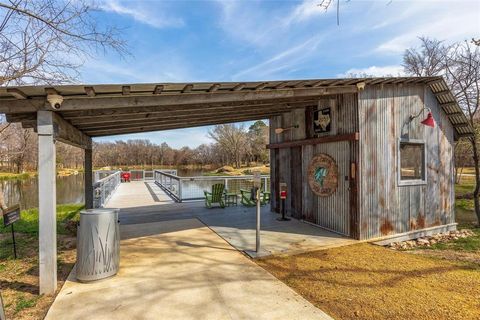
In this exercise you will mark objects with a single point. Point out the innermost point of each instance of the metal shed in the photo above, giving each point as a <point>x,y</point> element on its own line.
<point>359,137</point>
<point>369,136</point>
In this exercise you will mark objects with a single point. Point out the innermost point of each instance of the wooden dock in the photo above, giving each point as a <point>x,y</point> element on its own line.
<point>138,194</point>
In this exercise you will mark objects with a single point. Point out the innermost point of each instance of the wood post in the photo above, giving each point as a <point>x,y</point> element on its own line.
<point>47,202</point>
<point>88,179</point>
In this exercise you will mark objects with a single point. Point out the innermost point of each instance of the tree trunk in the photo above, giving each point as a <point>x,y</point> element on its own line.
<point>476,192</point>
<point>458,174</point>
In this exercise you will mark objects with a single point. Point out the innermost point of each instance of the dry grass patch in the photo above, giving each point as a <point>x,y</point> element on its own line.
<point>19,278</point>
<point>369,282</point>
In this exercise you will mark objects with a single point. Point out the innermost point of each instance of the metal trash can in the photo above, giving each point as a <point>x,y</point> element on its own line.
<point>98,244</point>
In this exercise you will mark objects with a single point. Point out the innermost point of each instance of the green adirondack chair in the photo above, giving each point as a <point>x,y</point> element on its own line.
<point>265,198</point>
<point>246,201</point>
<point>216,196</point>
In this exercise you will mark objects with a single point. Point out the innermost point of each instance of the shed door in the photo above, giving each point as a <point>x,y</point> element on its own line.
<point>333,211</point>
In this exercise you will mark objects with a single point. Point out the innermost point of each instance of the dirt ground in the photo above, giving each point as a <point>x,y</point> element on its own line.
<point>19,278</point>
<point>365,281</point>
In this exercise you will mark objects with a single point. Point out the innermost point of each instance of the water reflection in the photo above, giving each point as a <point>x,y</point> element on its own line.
<point>25,192</point>
<point>69,189</point>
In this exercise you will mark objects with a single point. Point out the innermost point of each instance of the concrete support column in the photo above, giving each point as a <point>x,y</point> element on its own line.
<point>88,179</point>
<point>47,200</point>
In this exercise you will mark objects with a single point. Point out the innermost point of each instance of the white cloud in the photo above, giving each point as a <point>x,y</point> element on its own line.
<point>374,71</point>
<point>444,20</point>
<point>147,14</point>
<point>248,23</point>
<point>309,9</point>
<point>161,67</point>
<point>282,61</point>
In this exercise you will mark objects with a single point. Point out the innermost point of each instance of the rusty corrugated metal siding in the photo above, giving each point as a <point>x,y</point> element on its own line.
<point>385,207</point>
<point>333,212</point>
<point>330,212</point>
<point>380,206</point>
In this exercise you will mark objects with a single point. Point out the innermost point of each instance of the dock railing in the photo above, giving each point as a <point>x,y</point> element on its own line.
<point>104,188</point>
<point>191,188</point>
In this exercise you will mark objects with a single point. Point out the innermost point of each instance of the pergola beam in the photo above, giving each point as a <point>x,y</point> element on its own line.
<point>89,114</point>
<point>17,93</point>
<point>67,133</point>
<point>90,91</point>
<point>172,117</point>
<point>259,95</point>
<point>188,113</point>
<point>125,90</point>
<point>198,98</point>
<point>171,126</point>
<point>174,120</point>
<point>214,87</point>
<point>158,89</point>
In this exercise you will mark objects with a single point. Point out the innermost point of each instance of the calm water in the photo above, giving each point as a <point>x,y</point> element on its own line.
<point>25,192</point>
<point>69,189</point>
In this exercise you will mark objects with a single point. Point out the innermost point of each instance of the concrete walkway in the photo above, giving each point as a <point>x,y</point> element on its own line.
<point>145,202</point>
<point>181,270</point>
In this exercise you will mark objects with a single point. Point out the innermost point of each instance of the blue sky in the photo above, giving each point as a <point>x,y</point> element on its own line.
<point>179,41</point>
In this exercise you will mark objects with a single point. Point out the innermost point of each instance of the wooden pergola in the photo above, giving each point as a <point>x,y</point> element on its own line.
<point>75,113</point>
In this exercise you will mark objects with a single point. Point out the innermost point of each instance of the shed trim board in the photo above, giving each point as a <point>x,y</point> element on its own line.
<point>341,137</point>
<point>366,112</point>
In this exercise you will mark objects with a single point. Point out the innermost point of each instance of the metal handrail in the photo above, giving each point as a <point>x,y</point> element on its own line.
<point>180,188</point>
<point>104,188</point>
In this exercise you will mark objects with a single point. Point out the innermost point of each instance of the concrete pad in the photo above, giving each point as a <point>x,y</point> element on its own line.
<point>276,237</point>
<point>181,270</point>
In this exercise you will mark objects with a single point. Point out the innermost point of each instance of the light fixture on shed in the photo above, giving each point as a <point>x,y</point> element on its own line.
<point>428,121</point>
<point>281,130</point>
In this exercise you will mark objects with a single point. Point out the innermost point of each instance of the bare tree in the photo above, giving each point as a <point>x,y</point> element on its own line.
<point>463,73</point>
<point>460,65</point>
<point>426,61</point>
<point>463,158</point>
<point>46,41</point>
<point>258,140</point>
<point>231,138</point>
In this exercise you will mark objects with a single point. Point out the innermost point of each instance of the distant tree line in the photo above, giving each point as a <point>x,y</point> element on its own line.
<point>233,144</point>
<point>19,150</point>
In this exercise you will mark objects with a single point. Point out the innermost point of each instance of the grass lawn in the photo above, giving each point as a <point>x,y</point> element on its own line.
<point>365,281</point>
<point>25,175</point>
<point>230,171</point>
<point>19,278</point>
<point>16,176</point>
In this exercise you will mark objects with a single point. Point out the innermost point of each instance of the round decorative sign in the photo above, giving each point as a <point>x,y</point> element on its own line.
<point>323,175</point>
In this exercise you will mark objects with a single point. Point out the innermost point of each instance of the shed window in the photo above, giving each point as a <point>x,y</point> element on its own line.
<point>412,162</point>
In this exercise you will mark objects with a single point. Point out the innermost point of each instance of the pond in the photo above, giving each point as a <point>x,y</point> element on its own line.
<point>25,191</point>
<point>69,189</point>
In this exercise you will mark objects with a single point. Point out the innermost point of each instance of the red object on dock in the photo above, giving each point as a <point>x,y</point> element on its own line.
<point>125,176</point>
